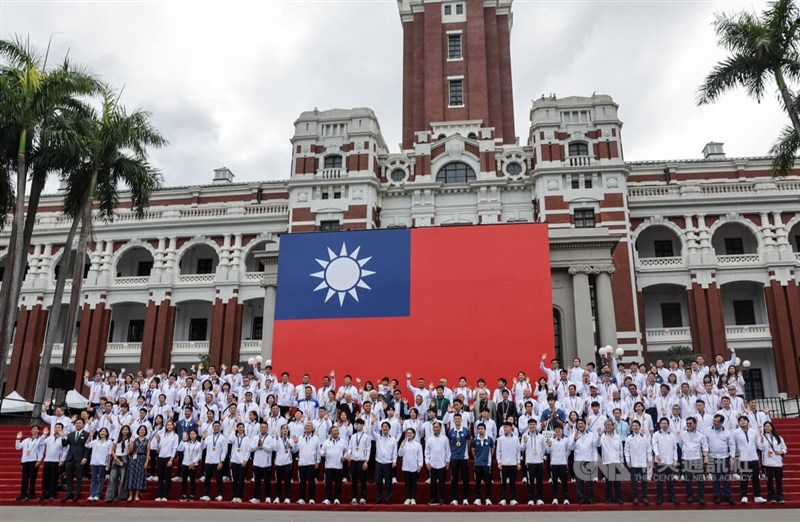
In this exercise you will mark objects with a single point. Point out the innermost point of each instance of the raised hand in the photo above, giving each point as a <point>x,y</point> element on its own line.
<point>19,435</point>
<point>408,375</point>
<point>46,431</point>
<point>333,374</point>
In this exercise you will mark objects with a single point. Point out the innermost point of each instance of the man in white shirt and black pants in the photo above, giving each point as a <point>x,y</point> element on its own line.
<point>437,459</point>
<point>508,462</point>
<point>745,440</point>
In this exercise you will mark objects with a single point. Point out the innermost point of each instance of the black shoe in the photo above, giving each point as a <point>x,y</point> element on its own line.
<point>730,501</point>
<point>379,501</point>
<point>635,502</point>
<point>619,502</point>
<point>717,500</point>
<point>702,501</point>
<point>659,501</point>
<point>66,498</point>
<point>690,500</point>
<point>21,498</point>
<point>645,501</point>
<point>42,498</point>
<point>675,501</point>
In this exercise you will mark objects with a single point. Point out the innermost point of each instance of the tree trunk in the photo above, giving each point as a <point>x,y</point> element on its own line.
<point>77,274</point>
<point>788,100</point>
<point>65,264</point>
<point>18,264</point>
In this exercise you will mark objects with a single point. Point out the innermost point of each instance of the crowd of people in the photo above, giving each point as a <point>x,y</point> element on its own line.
<point>672,425</point>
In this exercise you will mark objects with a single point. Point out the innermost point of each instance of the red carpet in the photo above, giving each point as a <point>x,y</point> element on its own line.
<point>10,476</point>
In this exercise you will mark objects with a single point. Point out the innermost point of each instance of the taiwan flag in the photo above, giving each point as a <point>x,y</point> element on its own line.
<point>473,301</point>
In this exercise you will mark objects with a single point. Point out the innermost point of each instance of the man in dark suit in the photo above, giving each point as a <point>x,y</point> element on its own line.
<point>505,408</point>
<point>349,407</point>
<point>75,460</point>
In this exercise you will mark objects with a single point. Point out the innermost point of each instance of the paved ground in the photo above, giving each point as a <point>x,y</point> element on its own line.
<point>99,514</point>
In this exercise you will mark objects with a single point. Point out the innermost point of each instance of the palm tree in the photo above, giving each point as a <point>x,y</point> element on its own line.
<point>115,154</point>
<point>31,98</point>
<point>762,49</point>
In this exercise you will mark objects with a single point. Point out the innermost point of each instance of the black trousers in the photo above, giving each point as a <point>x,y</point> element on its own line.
<point>211,470</point>
<point>693,469</point>
<point>188,479</point>
<point>237,479</point>
<point>29,473</point>
<point>411,478</point>
<point>558,472</point>
<point>639,483</point>
<point>508,483</point>
<point>720,478</point>
<point>153,462</point>
<point>262,479</point>
<point>50,479</point>
<point>664,475</point>
<point>459,472</point>
<point>333,484</point>
<point>483,475</point>
<point>74,478</point>
<point>283,481</point>
<point>535,480</point>
<point>164,478</point>
<point>583,481</point>
<point>437,484</point>
<point>358,477</point>
<point>613,490</point>
<point>308,482</point>
<point>750,471</point>
<point>774,482</point>
<point>383,483</point>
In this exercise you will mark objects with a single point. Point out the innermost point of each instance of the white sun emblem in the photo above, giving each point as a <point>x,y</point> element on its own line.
<point>342,274</point>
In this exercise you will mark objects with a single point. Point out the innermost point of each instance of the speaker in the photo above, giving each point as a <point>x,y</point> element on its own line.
<point>68,383</point>
<point>56,377</point>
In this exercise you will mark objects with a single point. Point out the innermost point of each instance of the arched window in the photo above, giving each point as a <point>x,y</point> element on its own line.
<point>333,162</point>
<point>456,172</point>
<point>557,333</point>
<point>578,149</point>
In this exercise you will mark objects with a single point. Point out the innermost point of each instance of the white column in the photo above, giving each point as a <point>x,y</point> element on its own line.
<point>268,320</point>
<point>606,321</point>
<point>584,329</point>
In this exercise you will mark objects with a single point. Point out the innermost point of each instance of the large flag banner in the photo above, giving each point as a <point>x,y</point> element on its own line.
<point>439,302</point>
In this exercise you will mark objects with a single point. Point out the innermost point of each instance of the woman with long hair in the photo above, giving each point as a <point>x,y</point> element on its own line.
<point>139,456</point>
<point>735,377</point>
<point>101,451</point>
<point>167,447</point>
<point>192,451</point>
<point>773,449</point>
<point>158,425</point>
<point>117,489</point>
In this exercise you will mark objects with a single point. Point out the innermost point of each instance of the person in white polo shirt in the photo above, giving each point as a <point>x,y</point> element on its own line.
<point>413,459</point>
<point>508,462</point>
<point>694,447</point>
<point>437,458</point>
<point>745,438</point>
<point>333,450</point>
<point>721,450</point>
<point>773,449</point>
<point>533,444</point>
<point>638,456</point>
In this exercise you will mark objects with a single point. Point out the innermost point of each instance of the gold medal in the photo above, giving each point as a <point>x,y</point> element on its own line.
<point>356,448</point>
<point>458,444</point>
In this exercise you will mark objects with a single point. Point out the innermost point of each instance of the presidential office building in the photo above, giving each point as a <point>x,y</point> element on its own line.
<point>647,255</point>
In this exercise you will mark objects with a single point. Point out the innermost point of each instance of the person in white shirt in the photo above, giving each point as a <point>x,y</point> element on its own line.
<point>745,440</point>
<point>720,458</point>
<point>773,449</point>
<point>437,457</point>
<point>665,452</point>
<point>508,462</point>
<point>192,450</point>
<point>611,452</point>
<point>58,418</point>
<point>307,447</point>
<point>385,462</point>
<point>284,447</point>
<point>215,445</point>
<point>285,392</point>
<point>533,444</point>
<point>31,449</point>
<point>358,453</point>
<point>333,450</point>
<point>558,448</point>
<point>552,373</point>
<point>167,447</point>
<point>413,459</point>
<point>728,413</point>
<point>262,446</point>
<point>756,417</point>
<point>52,460</point>
<point>694,448</point>
<point>116,489</point>
<point>584,446</point>
<point>239,444</point>
<point>638,456</point>
<point>101,450</point>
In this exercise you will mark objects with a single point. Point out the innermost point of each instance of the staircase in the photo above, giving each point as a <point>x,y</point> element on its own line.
<point>10,476</point>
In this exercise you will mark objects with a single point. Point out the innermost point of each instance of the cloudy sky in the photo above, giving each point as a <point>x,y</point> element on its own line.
<point>225,79</point>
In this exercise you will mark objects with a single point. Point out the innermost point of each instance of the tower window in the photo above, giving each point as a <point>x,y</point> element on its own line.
<point>456,172</point>
<point>584,218</point>
<point>453,12</point>
<point>329,226</point>
<point>457,93</point>
<point>578,149</point>
<point>333,162</point>
<point>454,47</point>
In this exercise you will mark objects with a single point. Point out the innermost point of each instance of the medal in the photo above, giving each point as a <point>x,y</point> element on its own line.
<point>356,448</point>
<point>458,444</point>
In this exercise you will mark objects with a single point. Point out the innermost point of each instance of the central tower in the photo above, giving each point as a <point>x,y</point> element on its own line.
<point>457,65</point>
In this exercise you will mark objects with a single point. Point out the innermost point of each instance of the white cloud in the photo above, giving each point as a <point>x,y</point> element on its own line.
<point>226,80</point>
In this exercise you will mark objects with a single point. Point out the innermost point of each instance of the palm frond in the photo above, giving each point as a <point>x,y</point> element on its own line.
<point>735,71</point>
<point>785,152</point>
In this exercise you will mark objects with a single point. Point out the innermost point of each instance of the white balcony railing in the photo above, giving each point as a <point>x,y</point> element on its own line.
<point>578,161</point>
<point>797,256</point>
<point>195,279</point>
<point>661,262</point>
<point>713,190</point>
<point>132,281</point>
<point>123,349</point>
<point>751,331</point>
<point>669,335</point>
<point>330,173</point>
<point>253,276</point>
<point>250,347</point>
<point>190,347</point>
<point>736,260</point>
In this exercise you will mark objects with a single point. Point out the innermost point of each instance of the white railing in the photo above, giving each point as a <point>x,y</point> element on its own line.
<point>751,331</point>
<point>578,161</point>
<point>728,188</point>
<point>190,347</point>
<point>663,335</point>
<point>656,191</point>
<point>195,279</point>
<point>713,189</point>
<point>120,349</point>
<point>131,281</point>
<point>252,346</point>
<point>253,276</point>
<point>330,173</point>
<point>202,212</point>
<point>660,262</point>
<point>272,208</point>
<point>743,259</point>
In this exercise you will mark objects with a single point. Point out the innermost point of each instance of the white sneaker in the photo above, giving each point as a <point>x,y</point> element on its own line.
<point>477,502</point>
<point>354,502</point>
<point>407,502</point>
<point>530,502</point>
<point>362,501</point>
<point>344,480</point>
<point>336,501</point>
<point>502,502</point>
<point>514,502</point>
<point>524,480</point>
<point>311,501</point>
<point>202,478</point>
<point>744,500</point>
<point>488,502</point>
<point>555,501</point>
<point>466,502</point>
<point>205,498</point>
<point>226,479</point>
<point>427,481</point>
<point>254,501</point>
<point>454,503</point>
<point>394,480</point>
<point>267,500</point>
<point>219,498</point>
<point>413,502</point>
<point>176,479</point>
<point>287,501</point>
<point>760,500</point>
<point>301,501</point>
<point>540,502</point>
<point>326,502</point>
<point>566,502</point>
